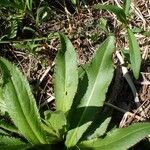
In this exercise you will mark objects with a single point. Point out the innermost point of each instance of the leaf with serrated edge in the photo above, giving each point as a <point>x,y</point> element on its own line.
<point>57,121</point>
<point>3,107</point>
<point>21,103</point>
<point>121,139</point>
<point>99,125</point>
<point>66,75</point>
<point>28,147</point>
<point>8,126</point>
<point>134,51</point>
<point>100,73</point>
<point>7,140</point>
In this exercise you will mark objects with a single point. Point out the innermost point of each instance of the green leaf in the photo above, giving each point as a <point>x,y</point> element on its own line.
<point>29,4</point>
<point>4,3</point>
<point>7,140</point>
<point>28,30</point>
<point>57,120</point>
<point>102,24</point>
<point>7,126</point>
<point>3,132</point>
<point>43,147</point>
<point>13,29</point>
<point>99,125</point>
<point>100,73</point>
<point>9,3</point>
<point>28,147</point>
<point>126,6</point>
<point>51,135</point>
<point>43,13</point>
<point>119,12</point>
<point>134,51</point>
<point>66,75</point>
<point>74,2</point>
<point>13,147</point>
<point>21,103</point>
<point>3,107</point>
<point>146,33</point>
<point>122,138</point>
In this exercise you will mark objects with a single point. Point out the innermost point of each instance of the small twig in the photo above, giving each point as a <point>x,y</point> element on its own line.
<point>46,72</point>
<point>86,7</point>
<point>68,18</point>
<point>118,4</point>
<point>51,98</point>
<point>145,83</point>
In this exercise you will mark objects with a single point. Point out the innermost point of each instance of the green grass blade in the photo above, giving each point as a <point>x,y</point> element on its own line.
<point>119,12</point>
<point>29,4</point>
<point>122,138</point>
<point>126,6</point>
<point>135,56</point>
<point>66,75</point>
<point>21,103</point>
<point>100,73</point>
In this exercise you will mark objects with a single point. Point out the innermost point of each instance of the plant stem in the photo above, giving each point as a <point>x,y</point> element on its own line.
<point>115,107</point>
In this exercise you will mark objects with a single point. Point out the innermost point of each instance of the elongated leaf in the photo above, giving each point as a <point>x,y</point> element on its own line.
<point>100,73</point>
<point>29,4</point>
<point>3,107</point>
<point>135,56</point>
<point>57,120</point>
<point>13,147</point>
<point>43,13</point>
<point>121,139</point>
<point>6,140</point>
<point>51,135</point>
<point>98,126</point>
<point>119,12</point>
<point>21,103</point>
<point>66,75</point>
<point>28,147</point>
<point>126,6</point>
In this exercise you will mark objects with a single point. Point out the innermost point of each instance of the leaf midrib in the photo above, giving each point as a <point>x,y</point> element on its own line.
<point>93,89</point>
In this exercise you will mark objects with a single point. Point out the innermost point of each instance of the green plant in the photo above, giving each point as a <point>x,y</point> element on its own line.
<point>22,18</point>
<point>79,121</point>
<point>123,16</point>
